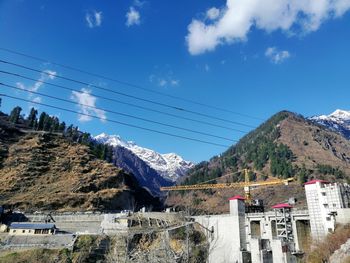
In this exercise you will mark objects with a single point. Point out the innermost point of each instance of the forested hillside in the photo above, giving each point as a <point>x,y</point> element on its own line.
<point>287,145</point>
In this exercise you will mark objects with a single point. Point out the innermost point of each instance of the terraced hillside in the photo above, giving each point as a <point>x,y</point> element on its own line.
<point>45,171</point>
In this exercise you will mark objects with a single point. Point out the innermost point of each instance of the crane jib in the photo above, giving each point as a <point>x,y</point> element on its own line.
<point>226,185</point>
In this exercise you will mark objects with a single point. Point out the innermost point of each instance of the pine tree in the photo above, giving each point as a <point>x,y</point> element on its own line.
<point>14,115</point>
<point>109,154</point>
<point>69,131</point>
<point>32,118</point>
<point>55,124</point>
<point>85,138</point>
<point>303,174</point>
<point>47,123</point>
<point>40,125</point>
<point>62,127</point>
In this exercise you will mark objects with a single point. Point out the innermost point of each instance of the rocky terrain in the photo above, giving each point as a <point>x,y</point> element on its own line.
<point>170,166</point>
<point>146,176</point>
<point>287,145</point>
<point>45,171</point>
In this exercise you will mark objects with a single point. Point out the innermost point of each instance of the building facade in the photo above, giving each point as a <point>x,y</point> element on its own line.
<point>28,229</point>
<point>325,201</point>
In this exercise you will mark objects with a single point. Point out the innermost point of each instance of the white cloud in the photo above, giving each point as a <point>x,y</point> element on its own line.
<point>162,82</point>
<point>132,17</point>
<point>239,17</point>
<point>139,3</point>
<point>87,102</point>
<point>164,77</point>
<point>37,99</point>
<point>276,56</point>
<point>174,82</point>
<point>93,19</point>
<point>50,75</point>
<point>213,13</point>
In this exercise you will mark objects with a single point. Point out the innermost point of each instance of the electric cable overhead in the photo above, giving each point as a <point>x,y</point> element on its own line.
<point>127,83</point>
<point>117,122</point>
<point>128,95</point>
<point>124,103</point>
<point>117,113</point>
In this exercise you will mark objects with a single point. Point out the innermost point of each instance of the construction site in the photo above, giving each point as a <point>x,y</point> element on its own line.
<point>247,233</point>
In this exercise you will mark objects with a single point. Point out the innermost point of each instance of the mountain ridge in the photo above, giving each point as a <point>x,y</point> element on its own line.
<point>286,145</point>
<point>338,121</point>
<point>170,165</point>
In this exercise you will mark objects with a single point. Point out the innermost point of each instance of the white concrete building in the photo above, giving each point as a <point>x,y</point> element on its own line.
<point>240,237</point>
<point>325,202</point>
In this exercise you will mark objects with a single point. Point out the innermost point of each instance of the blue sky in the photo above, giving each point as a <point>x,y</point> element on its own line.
<point>244,56</point>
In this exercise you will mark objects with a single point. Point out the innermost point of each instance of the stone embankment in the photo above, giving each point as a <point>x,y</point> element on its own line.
<point>342,255</point>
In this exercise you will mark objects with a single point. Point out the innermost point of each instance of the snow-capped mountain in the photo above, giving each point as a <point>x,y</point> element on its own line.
<point>337,121</point>
<point>170,166</point>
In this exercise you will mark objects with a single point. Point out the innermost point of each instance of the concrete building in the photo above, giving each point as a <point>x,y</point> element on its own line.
<point>240,237</point>
<point>325,201</point>
<point>280,235</point>
<point>25,229</point>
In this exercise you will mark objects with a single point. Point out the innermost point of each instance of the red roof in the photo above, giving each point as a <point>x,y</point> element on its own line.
<point>282,206</point>
<point>237,197</point>
<point>316,181</point>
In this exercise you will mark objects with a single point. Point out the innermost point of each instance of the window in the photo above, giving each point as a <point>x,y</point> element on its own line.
<point>23,231</point>
<point>325,205</point>
<point>328,218</point>
<point>334,205</point>
<point>324,194</point>
<point>14,231</point>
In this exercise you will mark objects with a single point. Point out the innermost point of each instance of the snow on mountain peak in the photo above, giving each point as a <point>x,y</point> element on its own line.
<point>341,114</point>
<point>338,121</point>
<point>170,166</point>
<point>336,116</point>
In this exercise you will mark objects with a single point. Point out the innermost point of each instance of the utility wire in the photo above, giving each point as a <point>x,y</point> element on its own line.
<point>117,122</point>
<point>128,83</point>
<point>118,113</point>
<point>122,102</point>
<point>128,95</point>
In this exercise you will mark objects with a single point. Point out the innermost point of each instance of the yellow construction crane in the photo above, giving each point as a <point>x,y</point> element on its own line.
<point>246,185</point>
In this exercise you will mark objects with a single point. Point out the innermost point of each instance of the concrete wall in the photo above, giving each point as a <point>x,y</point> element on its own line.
<point>343,216</point>
<point>225,241</point>
<point>38,241</point>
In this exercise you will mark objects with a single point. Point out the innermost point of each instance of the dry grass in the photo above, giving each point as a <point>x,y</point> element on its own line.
<point>37,256</point>
<point>50,173</point>
<point>323,250</point>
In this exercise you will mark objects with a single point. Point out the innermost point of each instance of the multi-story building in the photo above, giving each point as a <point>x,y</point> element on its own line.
<point>326,202</point>
<point>280,235</point>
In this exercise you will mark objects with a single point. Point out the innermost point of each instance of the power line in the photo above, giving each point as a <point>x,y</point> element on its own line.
<point>117,122</point>
<point>118,113</point>
<point>129,96</point>
<point>123,102</point>
<point>127,83</point>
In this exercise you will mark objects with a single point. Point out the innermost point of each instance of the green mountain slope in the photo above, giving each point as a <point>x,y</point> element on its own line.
<point>286,145</point>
